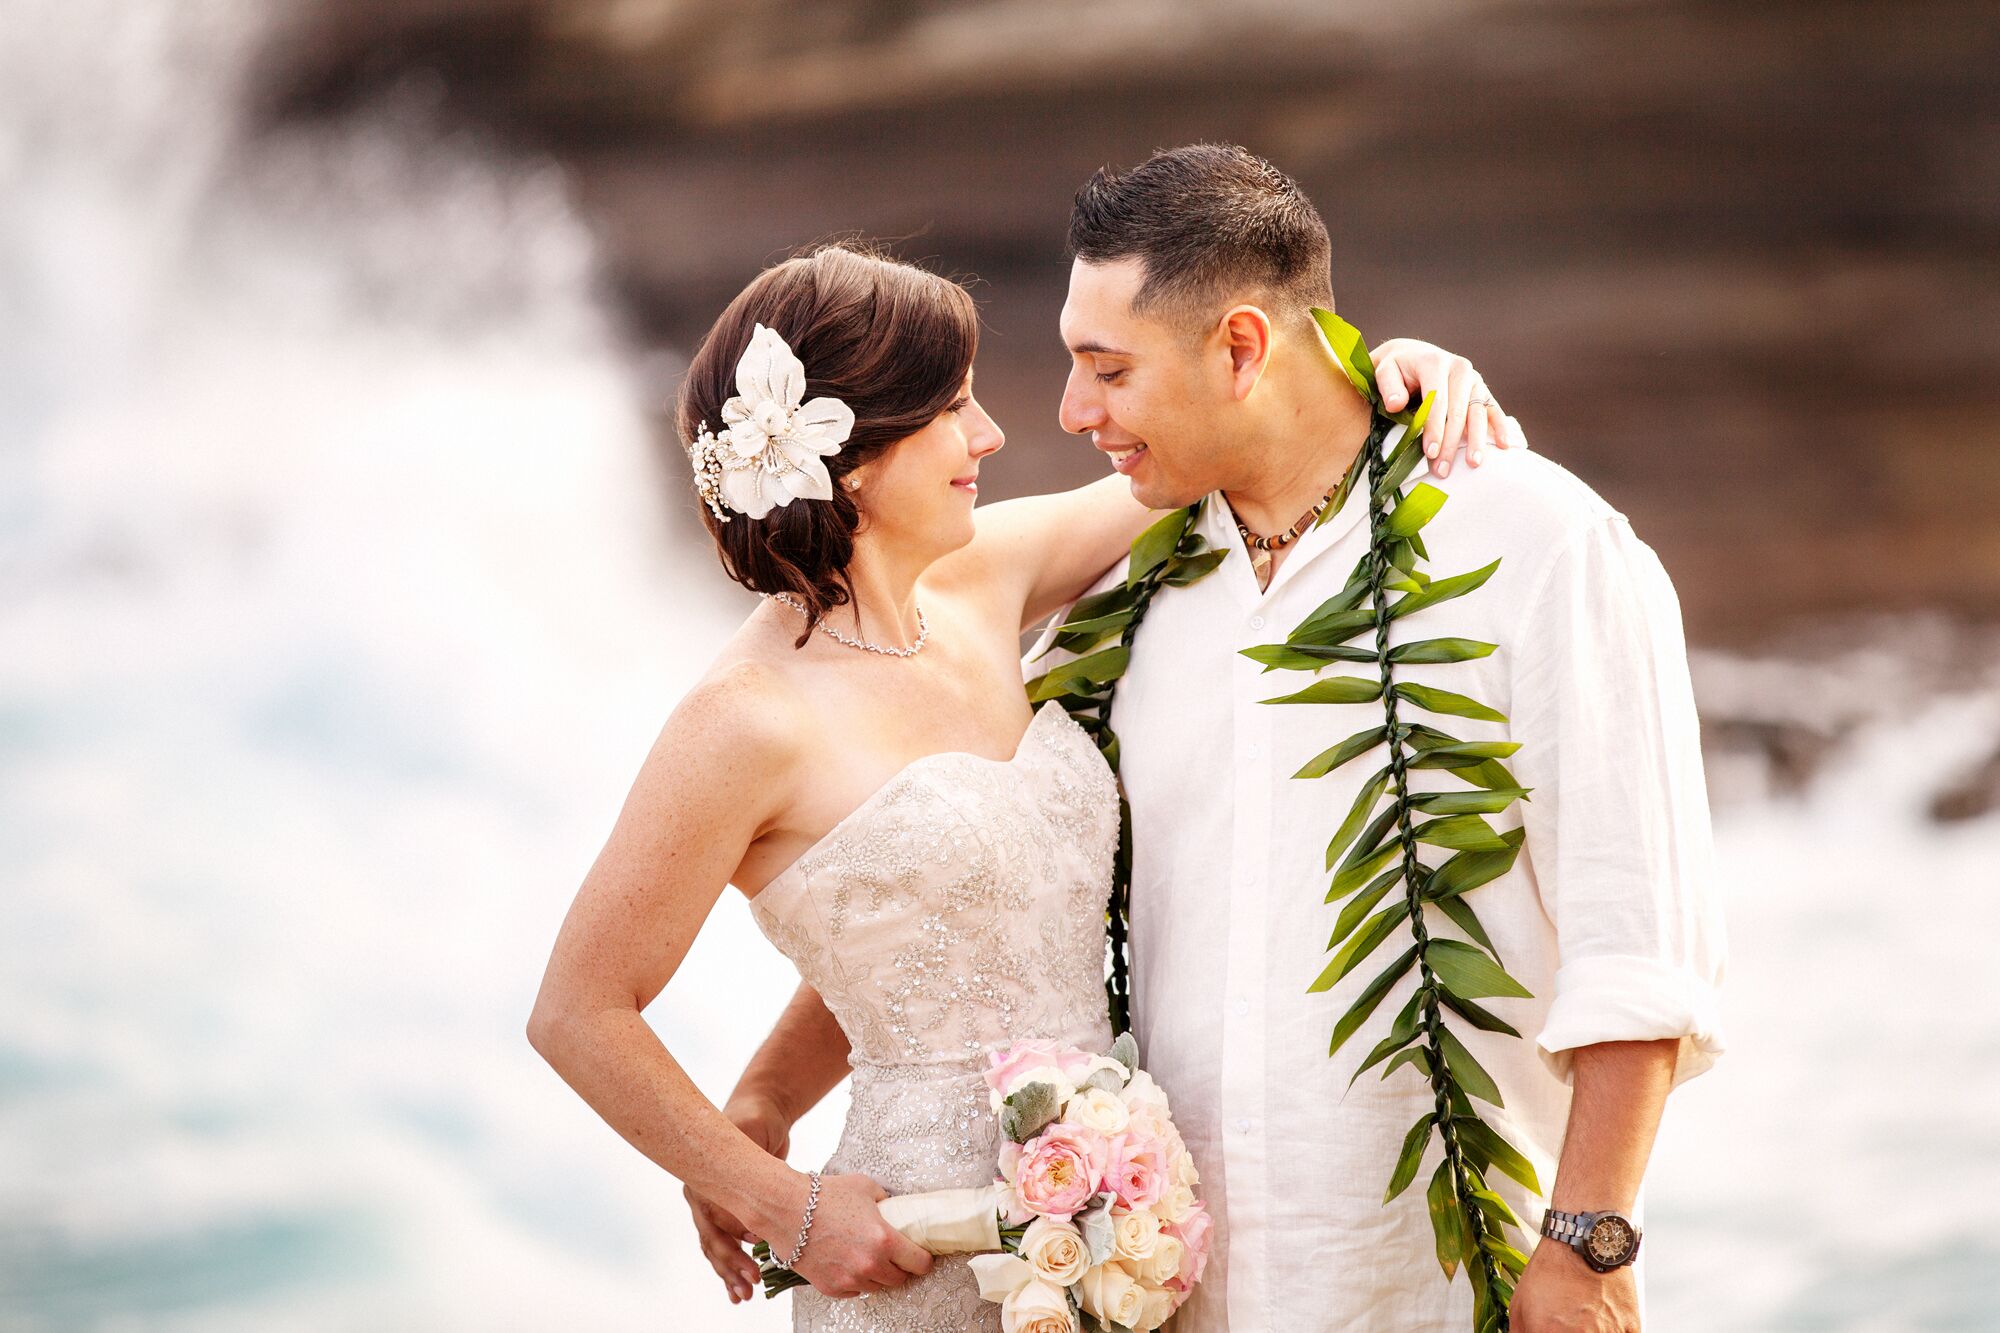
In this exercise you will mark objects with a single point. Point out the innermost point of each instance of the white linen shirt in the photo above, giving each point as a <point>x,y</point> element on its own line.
<point>1609,916</point>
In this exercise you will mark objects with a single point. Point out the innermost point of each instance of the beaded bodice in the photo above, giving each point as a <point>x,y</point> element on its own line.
<point>962,905</point>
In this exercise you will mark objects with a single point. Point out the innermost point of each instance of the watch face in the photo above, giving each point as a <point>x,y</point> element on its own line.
<point>1610,1240</point>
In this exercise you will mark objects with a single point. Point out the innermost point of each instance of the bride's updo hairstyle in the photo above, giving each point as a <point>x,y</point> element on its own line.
<point>890,340</point>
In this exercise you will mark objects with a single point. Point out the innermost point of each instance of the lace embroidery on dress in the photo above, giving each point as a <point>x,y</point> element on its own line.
<point>958,909</point>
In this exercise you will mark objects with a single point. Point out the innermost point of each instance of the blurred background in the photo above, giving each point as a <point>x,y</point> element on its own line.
<point>348,568</point>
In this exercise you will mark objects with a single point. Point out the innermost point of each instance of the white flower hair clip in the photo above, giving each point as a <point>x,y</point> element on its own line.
<point>772,444</point>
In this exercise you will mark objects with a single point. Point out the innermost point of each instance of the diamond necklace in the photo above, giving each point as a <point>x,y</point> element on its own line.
<point>923,630</point>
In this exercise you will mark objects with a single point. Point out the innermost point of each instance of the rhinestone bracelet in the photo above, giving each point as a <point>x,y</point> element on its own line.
<point>805,1227</point>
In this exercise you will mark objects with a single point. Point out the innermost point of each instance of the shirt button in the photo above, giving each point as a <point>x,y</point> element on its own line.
<point>1243,1125</point>
<point>1256,622</point>
<point>1242,1008</point>
<point>1253,751</point>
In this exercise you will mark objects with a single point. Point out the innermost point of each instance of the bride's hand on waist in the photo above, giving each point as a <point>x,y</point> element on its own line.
<point>852,1250</point>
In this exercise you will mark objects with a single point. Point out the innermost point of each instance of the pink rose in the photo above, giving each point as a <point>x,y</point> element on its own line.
<point>1140,1170</point>
<point>1060,1169</point>
<point>1005,1068</point>
<point>1194,1233</point>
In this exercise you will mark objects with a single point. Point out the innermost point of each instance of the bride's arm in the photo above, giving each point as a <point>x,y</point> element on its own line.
<point>1040,553</point>
<point>716,777</point>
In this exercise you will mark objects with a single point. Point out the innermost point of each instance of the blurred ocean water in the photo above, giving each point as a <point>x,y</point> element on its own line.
<point>338,603</point>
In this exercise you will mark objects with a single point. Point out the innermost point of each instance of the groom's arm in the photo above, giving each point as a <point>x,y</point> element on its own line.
<point>1619,1092</point>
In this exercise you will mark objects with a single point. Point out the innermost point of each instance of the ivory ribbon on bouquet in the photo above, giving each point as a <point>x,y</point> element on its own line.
<point>963,1221</point>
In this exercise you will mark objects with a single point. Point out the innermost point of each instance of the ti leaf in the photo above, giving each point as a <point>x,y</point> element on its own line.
<point>1442,590</point>
<point>1447,1219</point>
<point>1370,998</point>
<point>1469,973</point>
<point>1411,1156</point>
<point>1468,1072</point>
<point>1155,544</point>
<point>1337,690</point>
<point>1360,743</point>
<point>1447,701</point>
<point>1431,651</point>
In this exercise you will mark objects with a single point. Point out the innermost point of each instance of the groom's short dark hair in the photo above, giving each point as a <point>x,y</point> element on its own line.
<point>1210,222</point>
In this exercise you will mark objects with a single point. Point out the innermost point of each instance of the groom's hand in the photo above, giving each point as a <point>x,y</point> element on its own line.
<point>722,1236</point>
<point>1560,1293</point>
<point>1406,370</point>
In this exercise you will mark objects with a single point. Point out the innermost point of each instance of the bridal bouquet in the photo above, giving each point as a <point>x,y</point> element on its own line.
<point>1091,1224</point>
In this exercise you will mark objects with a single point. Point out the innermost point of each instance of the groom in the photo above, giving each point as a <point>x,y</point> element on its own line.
<point>1197,368</point>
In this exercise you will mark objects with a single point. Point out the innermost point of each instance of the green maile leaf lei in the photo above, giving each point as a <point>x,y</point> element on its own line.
<point>1376,850</point>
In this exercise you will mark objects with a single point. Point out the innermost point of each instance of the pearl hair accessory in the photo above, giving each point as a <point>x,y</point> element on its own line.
<point>773,445</point>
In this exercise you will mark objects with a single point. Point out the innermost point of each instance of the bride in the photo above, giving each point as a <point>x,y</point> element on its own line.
<point>862,763</point>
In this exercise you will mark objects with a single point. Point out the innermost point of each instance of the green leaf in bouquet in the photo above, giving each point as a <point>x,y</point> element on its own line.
<point>1469,973</point>
<point>1100,1236</point>
<point>1125,1051</point>
<point>1029,1111</point>
<point>1337,690</point>
<point>1155,544</point>
<point>1411,1156</point>
<point>1108,1079</point>
<point>1447,701</point>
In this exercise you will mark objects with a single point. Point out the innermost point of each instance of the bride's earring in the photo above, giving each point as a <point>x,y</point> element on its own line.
<point>852,483</point>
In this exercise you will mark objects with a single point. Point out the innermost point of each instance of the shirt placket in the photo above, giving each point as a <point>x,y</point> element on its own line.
<point>1245,1114</point>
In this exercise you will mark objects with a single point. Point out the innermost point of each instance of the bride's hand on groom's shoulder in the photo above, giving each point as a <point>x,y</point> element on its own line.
<point>1465,419</point>
<point>1560,1293</point>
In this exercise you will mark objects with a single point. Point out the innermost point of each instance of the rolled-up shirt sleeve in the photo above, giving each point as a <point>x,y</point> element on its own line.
<point>1618,825</point>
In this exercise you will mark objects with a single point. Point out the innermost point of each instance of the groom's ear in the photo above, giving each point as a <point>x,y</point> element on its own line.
<point>1245,331</point>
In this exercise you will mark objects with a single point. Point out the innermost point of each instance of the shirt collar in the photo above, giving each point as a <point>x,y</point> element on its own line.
<point>1218,526</point>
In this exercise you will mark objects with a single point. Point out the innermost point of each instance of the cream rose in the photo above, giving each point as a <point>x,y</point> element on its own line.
<point>1135,1232</point>
<point>1109,1292</point>
<point>1099,1110</point>
<point>1055,1250</point>
<point>1184,1169</point>
<point>1037,1308</point>
<point>1143,1092</point>
<point>1175,1201</point>
<point>1048,1074</point>
<point>1158,1308</point>
<point>1164,1263</point>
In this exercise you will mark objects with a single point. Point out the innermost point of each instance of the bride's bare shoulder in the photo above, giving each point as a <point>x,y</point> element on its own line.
<point>748,708</point>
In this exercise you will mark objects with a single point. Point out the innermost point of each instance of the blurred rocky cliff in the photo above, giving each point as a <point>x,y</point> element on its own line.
<point>1734,264</point>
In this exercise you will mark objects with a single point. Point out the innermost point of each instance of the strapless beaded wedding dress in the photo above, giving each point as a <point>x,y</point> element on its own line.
<point>958,909</point>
